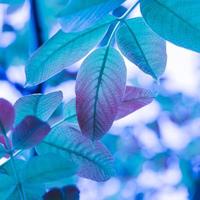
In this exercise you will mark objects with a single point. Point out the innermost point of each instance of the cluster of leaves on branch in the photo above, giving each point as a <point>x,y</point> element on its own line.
<point>102,95</point>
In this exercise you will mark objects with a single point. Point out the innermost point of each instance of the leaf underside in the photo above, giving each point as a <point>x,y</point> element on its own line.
<point>99,90</point>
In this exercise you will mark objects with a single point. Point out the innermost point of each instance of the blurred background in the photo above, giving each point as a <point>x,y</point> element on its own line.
<point>157,148</point>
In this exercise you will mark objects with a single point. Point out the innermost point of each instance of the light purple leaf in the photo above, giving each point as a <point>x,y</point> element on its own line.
<point>29,132</point>
<point>94,159</point>
<point>134,99</point>
<point>79,15</point>
<point>7,115</point>
<point>100,88</point>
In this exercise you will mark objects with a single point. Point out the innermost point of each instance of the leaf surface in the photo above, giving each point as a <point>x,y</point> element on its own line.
<point>62,50</point>
<point>142,46</point>
<point>47,168</point>
<point>38,105</point>
<point>7,115</point>
<point>95,161</point>
<point>79,15</point>
<point>176,21</point>
<point>29,132</point>
<point>100,87</point>
<point>6,187</point>
<point>134,99</point>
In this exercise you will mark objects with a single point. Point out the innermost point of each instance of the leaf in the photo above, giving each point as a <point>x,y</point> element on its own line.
<point>95,161</point>
<point>53,194</point>
<point>31,192</point>
<point>12,2</point>
<point>99,90</point>
<point>79,15</point>
<point>71,192</point>
<point>142,46</point>
<point>176,21</point>
<point>134,99</point>
<point>6,187</point>
<point>70,111</point>
<point>47,168</point>
<point>62,50</point>
<point>38,105</point>
<point>7,115</point>
<point>29,132</point>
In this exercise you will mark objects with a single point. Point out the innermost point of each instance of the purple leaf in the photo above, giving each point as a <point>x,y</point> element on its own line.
<point>70,192</point>
<point>100,88</point>
<point>7,115</point>
<point>53,194</point>
<point>134,99</point>
<point>29,132</point>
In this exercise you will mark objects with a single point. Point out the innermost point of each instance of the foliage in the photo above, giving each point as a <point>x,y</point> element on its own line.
<point>44,139</point>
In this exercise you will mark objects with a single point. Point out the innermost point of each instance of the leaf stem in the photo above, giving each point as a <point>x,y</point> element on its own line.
<point>10,152</point>
<point>120,20</point>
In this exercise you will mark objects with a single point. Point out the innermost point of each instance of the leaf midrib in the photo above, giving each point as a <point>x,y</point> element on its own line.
<point>74,152</point>
<point>136,99</point>
<point>141,50</point>
<point>97,91</point>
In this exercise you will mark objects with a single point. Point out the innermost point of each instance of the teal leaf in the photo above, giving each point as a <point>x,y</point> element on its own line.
<point>47,168</point>
<point>7,115</point>
<point>70,111</point>
<point>142,46</point>
<point>79,15</point>
<point>100,87</point>
<point>62,50</point>
<point>31,192</point>
<point>6,187</point>
<point>95,161</point>
<point>38,105</point>
<point>134,99</point>
<point>29,132</point>
<point>176,21</point>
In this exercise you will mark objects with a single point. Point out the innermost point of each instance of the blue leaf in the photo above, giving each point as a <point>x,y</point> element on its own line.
<point>79,15</point>
<point>142,46</point>
<point>176,21</point>
<point>62,50</point>
<point>95,161</point>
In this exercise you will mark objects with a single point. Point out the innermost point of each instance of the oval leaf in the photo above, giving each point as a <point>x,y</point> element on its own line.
<point>175,21</point>
<point>47,168</point>
<point>142,46</point>
<point>29,132</point>
<point>7,115</point>
<point>38,105</point>
<point>134,99</point>
<point>62,50</point>
<point>79,15</point>
<point>70,111</point>
<point>100,88</point>
<point>95,161</point>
